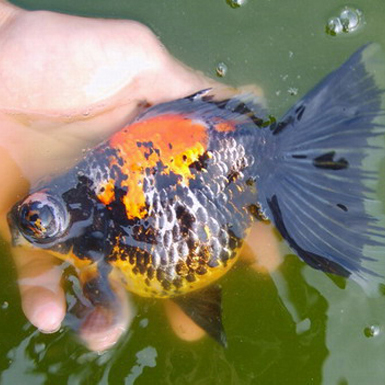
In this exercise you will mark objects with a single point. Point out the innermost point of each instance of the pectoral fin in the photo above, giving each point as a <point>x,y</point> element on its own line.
<point>204,307</point>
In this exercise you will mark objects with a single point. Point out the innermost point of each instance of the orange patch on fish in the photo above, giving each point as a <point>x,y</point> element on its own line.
<point>225,127</point>
<point>170,140</point>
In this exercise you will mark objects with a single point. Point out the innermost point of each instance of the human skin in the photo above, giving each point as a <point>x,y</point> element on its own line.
<point>67,83</point>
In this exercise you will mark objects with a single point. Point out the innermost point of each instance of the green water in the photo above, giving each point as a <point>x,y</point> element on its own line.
<point>296,327</point>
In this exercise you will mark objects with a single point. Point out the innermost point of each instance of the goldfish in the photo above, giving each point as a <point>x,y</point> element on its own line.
<point>164,205</point>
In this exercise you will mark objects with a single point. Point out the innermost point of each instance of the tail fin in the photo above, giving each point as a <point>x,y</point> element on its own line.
<point>319,176</point>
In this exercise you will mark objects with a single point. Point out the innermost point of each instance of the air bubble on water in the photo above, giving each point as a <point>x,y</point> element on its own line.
<point>348,20</point>
<point>372,331</point>
<point>236,3</point>
<point>291,54</point>
<point>143,323</point>
<point>278,92</point>
<point>292,91</point>
<point>334,26</point>
<point>5,305</point>
<point>221,70</point>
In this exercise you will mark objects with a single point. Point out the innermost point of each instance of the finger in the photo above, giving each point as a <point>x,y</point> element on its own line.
<point>183,326</point>
<point>103,327</point>
<point>261,248</point>
<point>42,297</point>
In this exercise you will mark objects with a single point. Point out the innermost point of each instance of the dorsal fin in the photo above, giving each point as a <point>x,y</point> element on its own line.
<point>206,105</point>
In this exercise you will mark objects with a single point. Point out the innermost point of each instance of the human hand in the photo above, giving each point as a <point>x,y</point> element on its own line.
<point>68,83</point>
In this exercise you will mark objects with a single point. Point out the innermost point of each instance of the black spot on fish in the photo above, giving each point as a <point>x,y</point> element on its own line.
<point>257,121</point>
<point>185,218</point>
<point>120,160</point>
<point>241,108</point>
<point>190,277</point>
<point>142,259</point>
<point>256,212</point>
<point>221,104</point>
<point>149,152</point>
<point>201,270</point>
<point>177,282</point>
<point>146,235</point>
<point>148,144</point>
<point>160,275</point>
<point>299,111</point>
<point>151,272</point>
<point>342,207</point>
<point>234,241</point>
<point>160,167</point>
<point>326,161</point>
<point>232,176</point>
<point>224,255</point>
<point>277,128</point>
<point>118,208</point>
<point>201,163</point>
<point>166,285</point>
<point>250,182</point>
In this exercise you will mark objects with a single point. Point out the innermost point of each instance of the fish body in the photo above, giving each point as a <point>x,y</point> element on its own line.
<point>165,203</point>
<point>173,196</point>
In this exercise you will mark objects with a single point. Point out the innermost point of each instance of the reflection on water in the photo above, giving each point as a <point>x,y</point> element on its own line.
<point>353,357</point>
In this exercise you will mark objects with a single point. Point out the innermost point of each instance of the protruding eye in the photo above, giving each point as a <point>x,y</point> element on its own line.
<point>42,217</point>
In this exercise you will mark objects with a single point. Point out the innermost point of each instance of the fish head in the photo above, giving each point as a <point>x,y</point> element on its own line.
<point>64,218</point>
<point>67,225</point>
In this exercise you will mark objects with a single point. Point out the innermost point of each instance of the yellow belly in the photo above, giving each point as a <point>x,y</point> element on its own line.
<point>143,285</point>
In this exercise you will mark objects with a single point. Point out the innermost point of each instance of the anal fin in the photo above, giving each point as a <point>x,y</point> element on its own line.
<point>204,307</point>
